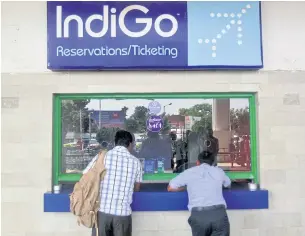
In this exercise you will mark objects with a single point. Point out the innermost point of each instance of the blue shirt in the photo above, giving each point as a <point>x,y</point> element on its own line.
<point>204,185</point>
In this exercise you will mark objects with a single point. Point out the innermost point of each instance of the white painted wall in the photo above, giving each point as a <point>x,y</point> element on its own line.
<point>26,159</point>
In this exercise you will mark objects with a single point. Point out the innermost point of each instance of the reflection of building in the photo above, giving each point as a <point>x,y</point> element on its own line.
<point>190,121</point>
<point>109,118</point>
<point>74,137</point>
<point>176,121</point>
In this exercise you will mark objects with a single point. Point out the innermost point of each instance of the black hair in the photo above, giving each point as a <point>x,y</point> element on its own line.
<point>206,157</point>
<point>123,138</point>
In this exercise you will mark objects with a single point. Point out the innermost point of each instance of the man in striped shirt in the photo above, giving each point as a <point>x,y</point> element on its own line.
<point>123,177</point>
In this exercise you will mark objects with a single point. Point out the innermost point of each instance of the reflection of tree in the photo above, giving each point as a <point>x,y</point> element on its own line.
<point>137,121</point>
<point>240,120</point>
<point>71,111</point>
<point>131,125</point>
<point>166,125</point>
<point>106,134</point>
<point>203,110</point>
<point>124,111</point>
<point>196,110</point>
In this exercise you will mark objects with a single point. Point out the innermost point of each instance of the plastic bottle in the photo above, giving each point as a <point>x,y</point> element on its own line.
<point>160,165</point>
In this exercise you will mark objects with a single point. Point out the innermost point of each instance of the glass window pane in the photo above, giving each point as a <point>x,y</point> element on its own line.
<point>169,133</point>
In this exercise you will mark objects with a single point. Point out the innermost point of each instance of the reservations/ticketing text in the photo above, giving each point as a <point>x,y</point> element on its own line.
<point>132,50</point>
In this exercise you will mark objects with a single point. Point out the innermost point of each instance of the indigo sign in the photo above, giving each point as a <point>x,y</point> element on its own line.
<point>154,35</point>
<point>154,123</point>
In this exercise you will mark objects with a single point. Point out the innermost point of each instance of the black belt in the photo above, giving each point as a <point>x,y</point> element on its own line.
<point>209,208</point>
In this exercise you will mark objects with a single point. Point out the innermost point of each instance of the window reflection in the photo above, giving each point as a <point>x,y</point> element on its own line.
<point>169,133</point>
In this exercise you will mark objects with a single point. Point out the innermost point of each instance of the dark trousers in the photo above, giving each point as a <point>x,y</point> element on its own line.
<point>111,225</point>
<point>210,221</point>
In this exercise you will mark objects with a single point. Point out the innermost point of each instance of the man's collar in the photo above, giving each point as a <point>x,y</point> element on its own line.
<point>121,148</point>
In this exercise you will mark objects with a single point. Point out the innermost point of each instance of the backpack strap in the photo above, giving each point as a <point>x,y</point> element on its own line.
<point>96,224</point>
<point>99,163</point>
<point>101,166</point>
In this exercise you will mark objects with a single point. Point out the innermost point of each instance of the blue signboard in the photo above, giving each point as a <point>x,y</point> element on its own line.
<point>109,118</point>
<point>154,107</point>
<point>149,166</point>
<point>154,35</point>
<point>154,123</point>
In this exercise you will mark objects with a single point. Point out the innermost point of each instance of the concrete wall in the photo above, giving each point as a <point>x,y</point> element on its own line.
<point>27,89</point>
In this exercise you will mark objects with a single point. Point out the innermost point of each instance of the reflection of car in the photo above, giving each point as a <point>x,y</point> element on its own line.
<point>138,146</point>
<point>139,142</point>
<point>70,144</point>
<point>139,138</point>
<point>94,144</point>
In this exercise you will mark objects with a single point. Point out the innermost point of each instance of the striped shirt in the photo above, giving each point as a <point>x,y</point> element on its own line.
<point>123,171</point>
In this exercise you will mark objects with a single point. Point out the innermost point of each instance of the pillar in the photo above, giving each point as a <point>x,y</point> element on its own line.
<point>221,114</point>
<point>221,123</point>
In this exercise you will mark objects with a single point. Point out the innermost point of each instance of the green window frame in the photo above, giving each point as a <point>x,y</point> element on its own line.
<point>59,177</point>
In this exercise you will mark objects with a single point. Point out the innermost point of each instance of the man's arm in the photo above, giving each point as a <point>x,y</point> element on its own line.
<point>137,187</point>
<point>139,178</point>
<point>226,180</point>
<point>178,183</point>
<point>170,189</point>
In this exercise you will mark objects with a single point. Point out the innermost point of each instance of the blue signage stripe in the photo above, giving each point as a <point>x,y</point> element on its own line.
<point>163,201</point>
<point>154,35</point>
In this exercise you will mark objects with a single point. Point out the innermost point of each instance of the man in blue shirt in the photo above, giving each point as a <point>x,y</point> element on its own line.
<point>204,184</point>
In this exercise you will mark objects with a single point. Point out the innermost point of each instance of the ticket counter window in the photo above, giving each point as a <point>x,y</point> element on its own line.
<point>169,133</point>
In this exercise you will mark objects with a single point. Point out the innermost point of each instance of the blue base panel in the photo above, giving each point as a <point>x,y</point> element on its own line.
<point>166,201</point>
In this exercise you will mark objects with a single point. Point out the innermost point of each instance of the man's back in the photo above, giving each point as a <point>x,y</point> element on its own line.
<point>123,170</point>
<point>204,185</point>
<point>123,175</point>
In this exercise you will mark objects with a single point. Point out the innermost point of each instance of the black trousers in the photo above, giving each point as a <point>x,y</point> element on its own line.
<point>112,225</point>
<point>210,221</point>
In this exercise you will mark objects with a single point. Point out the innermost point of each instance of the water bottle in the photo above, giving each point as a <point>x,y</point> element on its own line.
<point>252,186</point>
<point>57,189</point>
<point>161,165</point>
<point>142,160</point>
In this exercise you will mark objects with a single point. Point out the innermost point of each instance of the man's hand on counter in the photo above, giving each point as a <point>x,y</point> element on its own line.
<point>170,189</point>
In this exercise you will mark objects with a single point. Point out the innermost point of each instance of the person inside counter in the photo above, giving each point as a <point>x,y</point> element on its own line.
<point>214,144</point>
<point>186,140</point>
<point>179,154</point>
<point>204,185</point>
<point>155,147</point>
<point>173,139</point>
